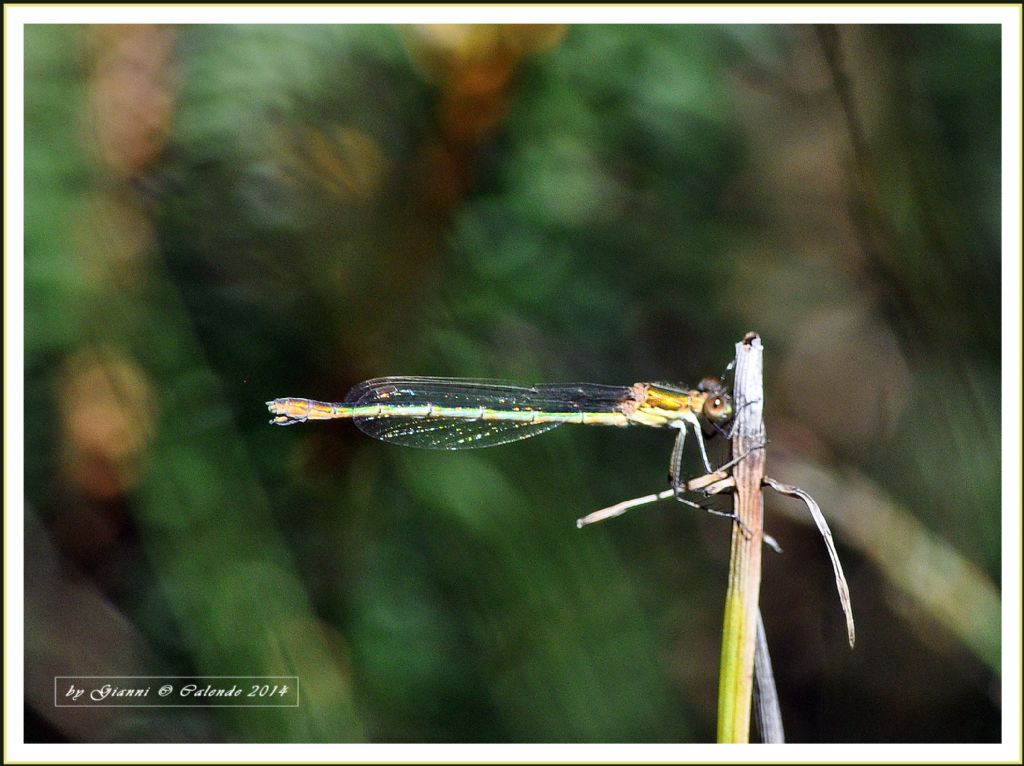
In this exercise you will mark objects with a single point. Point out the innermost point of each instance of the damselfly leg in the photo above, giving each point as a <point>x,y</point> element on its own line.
<point>679,486</point>
<point>675,468</point>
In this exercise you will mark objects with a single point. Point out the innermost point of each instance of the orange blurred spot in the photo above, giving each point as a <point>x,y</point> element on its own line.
<point>130,93</point>
<point>106,416</point>
<point>474,65</point>
<point>439,49</point>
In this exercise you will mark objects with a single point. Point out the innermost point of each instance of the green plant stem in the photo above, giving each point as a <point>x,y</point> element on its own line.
<point>739,631</point>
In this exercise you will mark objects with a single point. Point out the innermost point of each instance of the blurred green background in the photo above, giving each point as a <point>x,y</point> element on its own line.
<point>219,215</point>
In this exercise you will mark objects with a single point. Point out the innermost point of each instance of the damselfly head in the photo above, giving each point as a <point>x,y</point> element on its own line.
<point>718,404</point>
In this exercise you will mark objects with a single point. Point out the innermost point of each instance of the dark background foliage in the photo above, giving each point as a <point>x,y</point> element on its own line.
<point>220,215</point>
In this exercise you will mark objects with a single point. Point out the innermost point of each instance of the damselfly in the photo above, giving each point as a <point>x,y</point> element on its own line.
<point>459,413</point>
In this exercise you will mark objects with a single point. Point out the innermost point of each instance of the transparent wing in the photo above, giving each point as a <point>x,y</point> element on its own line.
<point>449,433</point>
<point>495,396</point>
<point>491,394</point>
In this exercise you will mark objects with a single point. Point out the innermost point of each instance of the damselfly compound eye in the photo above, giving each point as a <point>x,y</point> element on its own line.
<point>717,409</point>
